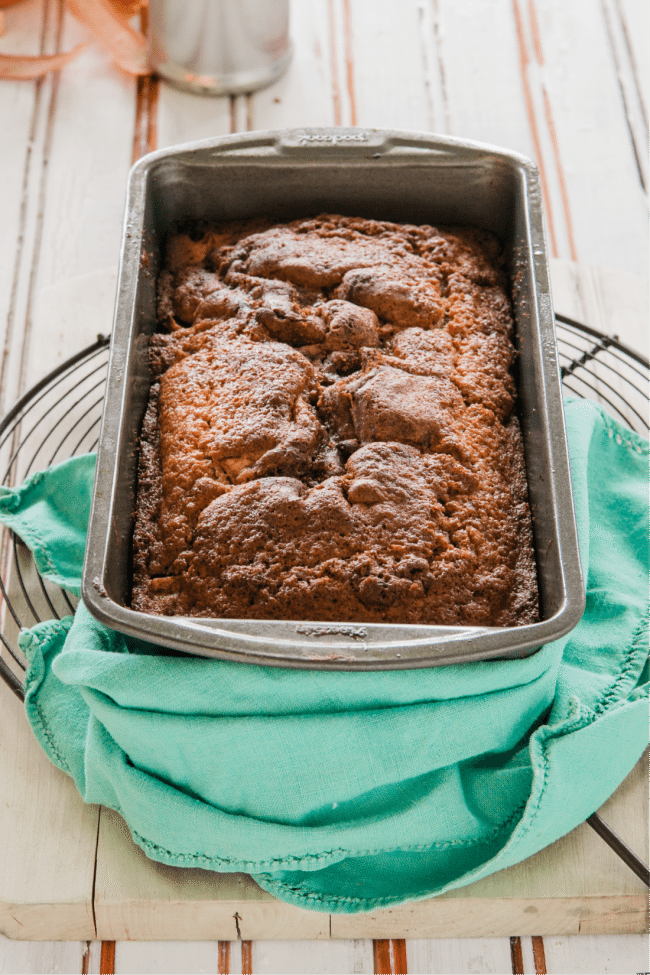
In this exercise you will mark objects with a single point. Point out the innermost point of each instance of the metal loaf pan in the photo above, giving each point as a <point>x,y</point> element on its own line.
<point>402,177</point>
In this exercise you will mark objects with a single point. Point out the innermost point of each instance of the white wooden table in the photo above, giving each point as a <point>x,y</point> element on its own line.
<point>564,82</point>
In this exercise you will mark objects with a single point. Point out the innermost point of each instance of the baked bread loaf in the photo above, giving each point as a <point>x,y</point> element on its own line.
<point>331,432</point>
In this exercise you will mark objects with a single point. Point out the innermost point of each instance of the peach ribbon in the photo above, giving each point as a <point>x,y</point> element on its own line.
<point>107,21</point>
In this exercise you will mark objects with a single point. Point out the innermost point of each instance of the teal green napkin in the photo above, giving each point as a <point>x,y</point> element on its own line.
<point>351,791</point>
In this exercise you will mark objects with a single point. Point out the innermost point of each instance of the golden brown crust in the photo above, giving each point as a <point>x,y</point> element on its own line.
<point>333,434</point>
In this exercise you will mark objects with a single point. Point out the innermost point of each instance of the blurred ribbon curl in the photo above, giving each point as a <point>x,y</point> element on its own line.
<point>109,21</point>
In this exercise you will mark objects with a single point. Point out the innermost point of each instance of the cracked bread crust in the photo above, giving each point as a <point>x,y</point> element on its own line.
<point>331,432</point>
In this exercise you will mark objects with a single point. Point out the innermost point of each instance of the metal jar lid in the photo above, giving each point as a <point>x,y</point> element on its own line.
<point>219,47</point>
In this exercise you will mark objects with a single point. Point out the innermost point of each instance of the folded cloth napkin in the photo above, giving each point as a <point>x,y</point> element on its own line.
<point>351,791</point>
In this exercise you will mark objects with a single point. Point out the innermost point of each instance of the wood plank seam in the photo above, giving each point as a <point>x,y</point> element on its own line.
<point>550,124</point>
<point>334,65</point>
<point>247,958</point>
<point>539,955</point>
<point>349,61</point>
<point>145,135</point>
<point>107,960</point>
<point>516,956</point>
<point>524,60</point>
<point>423,28</point>
<point>633,65</point>
<point>638,142</point>
<point>389,956</point>
<point>40,212</point>
<point>431,37</point>
<point>92,891</point>
<point>223,958</point>
<point>85,958</point>
<point>16,339</point>
<point>20,243</point>
<point>398,946</point>
<point>438,37</point>
<point>23,213</point>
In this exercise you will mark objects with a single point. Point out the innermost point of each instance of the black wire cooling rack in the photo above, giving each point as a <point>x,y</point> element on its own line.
<point>60,416</point>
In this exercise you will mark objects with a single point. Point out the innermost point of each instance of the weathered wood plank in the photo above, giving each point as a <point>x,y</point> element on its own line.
<point>630,92</point>
<point>19,110</point>
<point>458,956</point>
<point>585,955</point>
<point>389,955</point>
<point>69,316</point>
<point>491,916</point>
<point>504,103</point>
<point>88,159</point>
<point>634,22</point>
<point>169,958</point>
<point>25,108</point>
<point>539,955</point>
<point>617,305</point>
<point>302,958</point>
<point>40,957</point>
<point>48,856</point>
<point>605,202</point>
<point>91,962</point>
<point>185,118</point>
<point>553,94</point>
<point>303,96</point>
<point>611,301</point>
<point>461,40</point>
<point>381,69</point>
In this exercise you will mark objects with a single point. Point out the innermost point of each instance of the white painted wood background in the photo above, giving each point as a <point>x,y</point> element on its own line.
<point>576,955</point>
<point>563,81</point>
